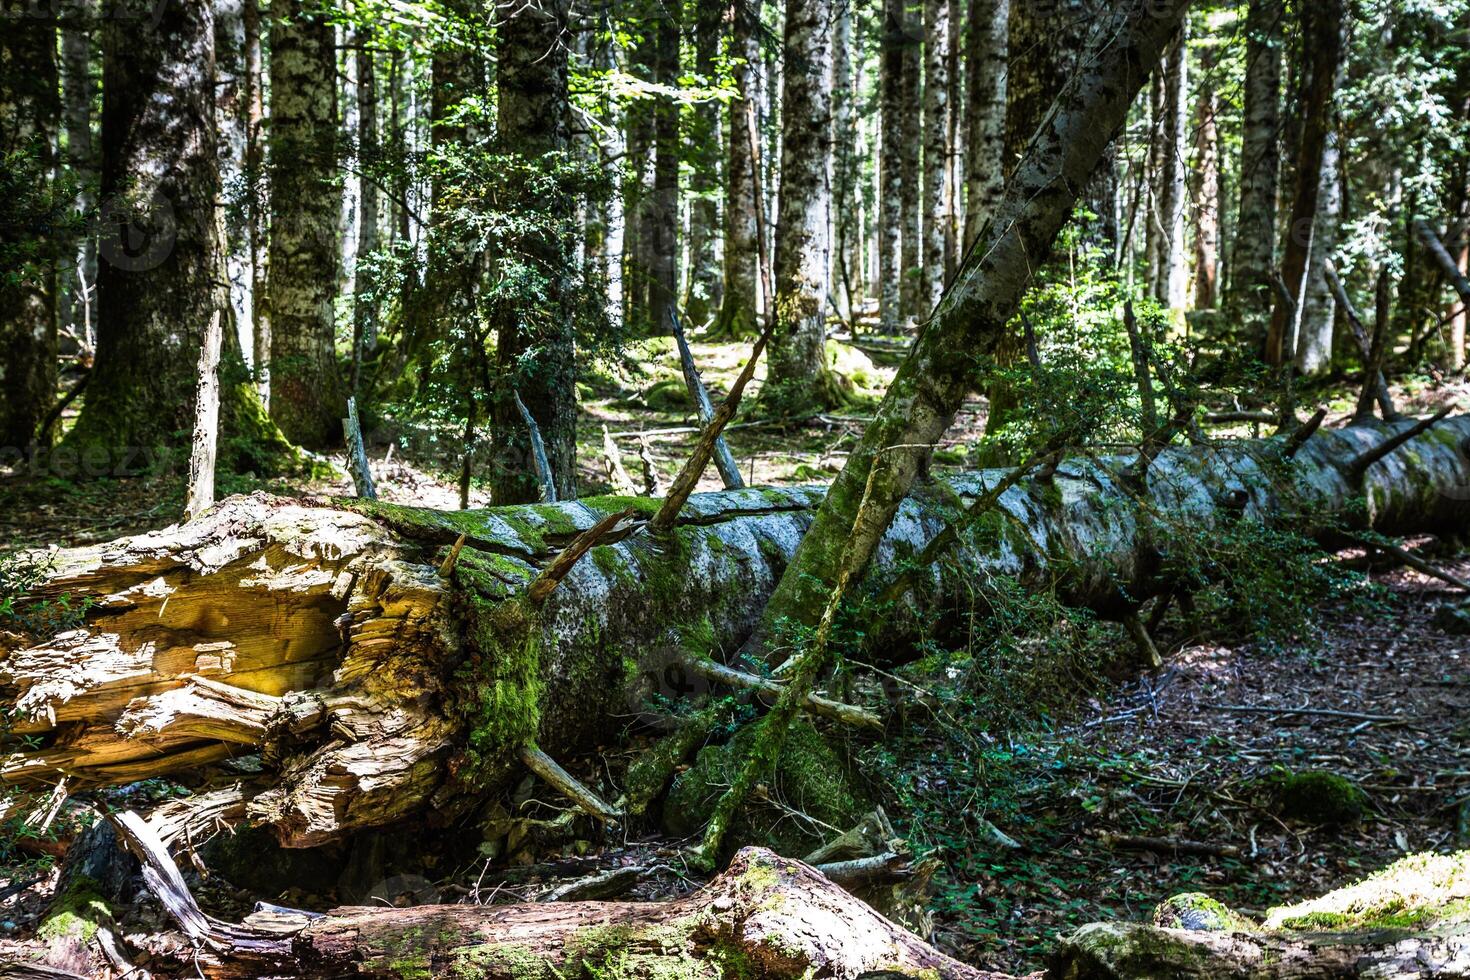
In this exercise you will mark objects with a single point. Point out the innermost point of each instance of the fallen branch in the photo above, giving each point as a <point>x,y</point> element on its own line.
<point>1414,561</point>
<point>1170,845</point>
<point>1359,466</point>
<point>1249,709</point>
<point>848,714</point>
<point>568,785</point>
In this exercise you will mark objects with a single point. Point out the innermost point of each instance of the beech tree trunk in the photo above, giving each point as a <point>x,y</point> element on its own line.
<point>937,29</point>
<point>1207,189</point>
<point>1319,308</point>
<point>1170,271</point>
<point>892,175</point>
<point>1253,255</point>
<point>738,299</point>
<point>985,111</point>
<point>799,379</point>
<point>702,295</point>
<point>78,92</point>
<point>910,143</point>
<point>365,303</point>
<point>29,112</point>
<point>329,643</point>
<point>308,399</point>
<point>535,356</point>
<point>846,210</point>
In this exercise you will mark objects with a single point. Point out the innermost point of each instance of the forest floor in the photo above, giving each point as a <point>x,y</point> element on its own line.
<point>1380,695</point>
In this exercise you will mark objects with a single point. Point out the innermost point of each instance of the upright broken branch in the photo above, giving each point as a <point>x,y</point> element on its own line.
<point>357,458</point>
<point>538,452</point>
<point>724,459</point>
<point>1372,376</point>
<point>206,423</point>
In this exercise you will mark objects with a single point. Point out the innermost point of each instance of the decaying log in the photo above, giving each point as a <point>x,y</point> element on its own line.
<point>777,916</point>
<point>322,640</point>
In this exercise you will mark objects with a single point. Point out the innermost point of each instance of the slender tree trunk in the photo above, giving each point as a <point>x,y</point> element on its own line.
<point>846,208</point>
<point>308,398</point>
<point>1207,188</point>
<point>79,91</point>
<point>1253,258</point>
<point>702,298</point>
<point>937,15</point>
<point>1319,308</point>
<point>229,60</point>
<point>738,300</point>
<point>30,110</point>
<point>365,302</point>
<point>799,379</point>
<point>911,247</point>
<point>985,107</point>
<point>662,226</point>
<point>1173,273</point>
<point>944,365</point>
<point>535,358</point>
<point>1322,40</point>
<point>891,165</point>
<point>252,106</point>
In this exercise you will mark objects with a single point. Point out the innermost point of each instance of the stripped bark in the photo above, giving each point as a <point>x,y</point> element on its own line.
<point>325,641</point>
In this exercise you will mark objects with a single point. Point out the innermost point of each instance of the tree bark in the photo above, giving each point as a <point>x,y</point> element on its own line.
<point>535,356</point>
<point>1207,190</point>
<point>1252,259</point>
<point>738,299</point>
<point>702,297</point>
<point>375,686</point>
<point>890,165</point>
<point>910,143</point>
<point>799,379</point>
<point>947,362</point>
<point>365,301</point>
<point>1319,307</point>
<point>846,211</point>
<point>1322,40</point>
<point>1171,270</point>
<point>79,91</point>
<point>985,109</point>
<point>29,111</point>
<point>937,29</point>
<point>307,394</point>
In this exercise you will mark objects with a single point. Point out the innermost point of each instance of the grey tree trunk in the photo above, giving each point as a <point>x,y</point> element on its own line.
<point>892,175</point>
<point>969,326</point>
<point>1322,41</point>
<point>663,213</point>
<point>252,107</point>
<point>308,398</point>
<point>536,357</point>
<point>937,30</point>
<point>910,146</point>
<point>161,272</point>
<point>1319,308</point>
<point>1253,256</point>
<point>799,379</point>
<point>702,297</point>
<point>79,91</point>
<point>29,112</point>
<point>741,271</point>
<point>846,213</point>
<point>1170,190</point>
<point>985,111</point>
<point>1207,188</point>
<point>365,303</point>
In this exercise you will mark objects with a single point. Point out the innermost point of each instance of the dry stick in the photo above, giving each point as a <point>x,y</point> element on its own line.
<point>452,559</point>
<point>770,733</point>
<point>1250,709</point>
<point>1305,431</point>
<point>357,458</point>
<point>1138,633</point>
<point>551,576</point>
<point>538,452</point>
<point>568,785</point>
<point>1168,845</point>
<point>688,477</point>
<point>724,459</point>
<point>1370,377</point>
<point>848,714</point>
<point>652,485</point>
<point>1443,259</point>
<point>206,423</point>
<point>612,458</point>
<point>1359,467</point>
<point>1414,562</point>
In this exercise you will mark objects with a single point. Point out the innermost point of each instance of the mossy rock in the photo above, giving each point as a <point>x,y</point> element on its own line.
<point>810,777</point>
<point>669,396</point>
<point>1325,799</point>
<point>1418,892</point>
<point>1198,912</point>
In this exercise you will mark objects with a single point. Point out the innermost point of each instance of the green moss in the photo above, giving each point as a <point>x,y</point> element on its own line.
<point>809,776</point>
<point>75,914</point>
<point>1417,892</point>
<point>500,680</point>
<point>1322,798</point>
<point>1198,912</point>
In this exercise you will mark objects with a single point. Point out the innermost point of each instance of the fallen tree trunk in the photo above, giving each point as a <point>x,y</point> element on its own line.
<point>325,642</point>
<point>765,916</point>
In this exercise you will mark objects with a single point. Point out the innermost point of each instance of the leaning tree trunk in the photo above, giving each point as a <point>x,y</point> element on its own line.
<point>29,110</point>
<point>376,678</point>
<point>799,380</point>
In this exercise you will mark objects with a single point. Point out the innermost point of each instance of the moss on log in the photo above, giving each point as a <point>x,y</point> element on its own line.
<point>323,639</point>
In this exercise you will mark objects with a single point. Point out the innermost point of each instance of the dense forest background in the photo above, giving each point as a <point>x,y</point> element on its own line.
<point>1076,396</point>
